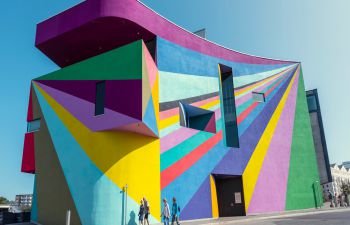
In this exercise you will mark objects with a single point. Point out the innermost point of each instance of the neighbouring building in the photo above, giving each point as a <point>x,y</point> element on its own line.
<point>24,200</point>
<point>319,136</point>
<point>346,164</point>
<point>340,175</point>
<point>141,103</point>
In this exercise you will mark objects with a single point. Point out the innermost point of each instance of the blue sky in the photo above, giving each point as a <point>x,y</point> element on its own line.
<point>313,32</point>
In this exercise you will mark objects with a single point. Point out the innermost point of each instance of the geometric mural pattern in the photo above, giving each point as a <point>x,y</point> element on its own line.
<point>83,161</point>
<point>267,134</point>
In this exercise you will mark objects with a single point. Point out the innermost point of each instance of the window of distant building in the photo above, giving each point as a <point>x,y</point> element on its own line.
<point>312,102</point>
<point>228,112</point>
<point>258,96</point>
<point>197,118</point>
<point>100,98</point>
<point>33,125</point>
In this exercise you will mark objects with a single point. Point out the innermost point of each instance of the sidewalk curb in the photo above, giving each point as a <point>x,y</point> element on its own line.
<point>230,220</point>
<point>296,214</point>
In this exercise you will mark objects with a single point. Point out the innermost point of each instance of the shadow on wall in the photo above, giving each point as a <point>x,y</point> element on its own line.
<point>132,220</point>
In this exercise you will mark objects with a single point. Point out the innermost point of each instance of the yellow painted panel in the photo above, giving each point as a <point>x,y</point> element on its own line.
<point>214,198</point>
<point>124,157</point>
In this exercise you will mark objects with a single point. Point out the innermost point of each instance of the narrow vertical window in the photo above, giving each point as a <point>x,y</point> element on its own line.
<point>100,98</point>
<point>229,107</point>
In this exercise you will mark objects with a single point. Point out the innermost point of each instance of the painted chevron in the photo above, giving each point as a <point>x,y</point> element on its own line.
<point>149,65</point>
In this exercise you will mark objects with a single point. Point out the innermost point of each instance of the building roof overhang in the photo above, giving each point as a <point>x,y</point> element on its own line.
<point>96,26</point>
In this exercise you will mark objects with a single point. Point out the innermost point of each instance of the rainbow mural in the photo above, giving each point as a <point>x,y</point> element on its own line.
<point>167,125</point>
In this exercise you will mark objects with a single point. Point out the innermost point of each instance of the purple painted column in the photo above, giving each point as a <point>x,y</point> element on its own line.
<point>270,190</point>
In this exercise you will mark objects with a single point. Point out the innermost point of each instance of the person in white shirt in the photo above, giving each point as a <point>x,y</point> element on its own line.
<point>165,212</point>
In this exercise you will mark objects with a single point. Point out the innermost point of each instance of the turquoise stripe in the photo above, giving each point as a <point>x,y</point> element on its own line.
<point>174,154</point>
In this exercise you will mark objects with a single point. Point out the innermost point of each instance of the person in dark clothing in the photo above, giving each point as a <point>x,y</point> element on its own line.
<point>141,213</point>
<point>147,210</point>
<point>330,197</point>
<point>175,212</point>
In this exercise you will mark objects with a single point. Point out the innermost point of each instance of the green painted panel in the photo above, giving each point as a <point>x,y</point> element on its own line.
<point>123,63</point>
<point>303,172</point>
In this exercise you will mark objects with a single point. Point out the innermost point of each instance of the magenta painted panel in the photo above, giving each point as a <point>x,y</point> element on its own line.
<point>28,158</point>
<point>30,107</point>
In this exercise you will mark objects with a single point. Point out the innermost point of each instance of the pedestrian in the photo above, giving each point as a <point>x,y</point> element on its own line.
<point>141,212</point>
<point>165,212</point>
<point>175,211</point>
<point>330,197</point>
<point>340,200</point>
<point>336,199</point>
<point>146,210</point>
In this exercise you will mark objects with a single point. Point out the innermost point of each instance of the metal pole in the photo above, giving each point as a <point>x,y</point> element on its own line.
<point>126,203</point>
<point>68,217</point>
<point>317,189</point>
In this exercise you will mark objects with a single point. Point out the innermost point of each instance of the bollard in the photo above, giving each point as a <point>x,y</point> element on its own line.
<point>68,217</point>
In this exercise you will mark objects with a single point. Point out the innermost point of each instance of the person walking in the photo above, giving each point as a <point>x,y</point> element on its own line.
<point>165,212</point>
<point>330,197</point>
<point>175,211</point>
<point>146,210</point>
<point>335,200</point>
<point>141,213</point>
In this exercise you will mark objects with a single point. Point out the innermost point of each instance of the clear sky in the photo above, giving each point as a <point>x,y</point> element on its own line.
<point>314,32</point>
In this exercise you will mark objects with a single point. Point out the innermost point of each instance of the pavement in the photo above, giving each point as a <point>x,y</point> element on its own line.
<point>324,216</point>
<point>329,216</point>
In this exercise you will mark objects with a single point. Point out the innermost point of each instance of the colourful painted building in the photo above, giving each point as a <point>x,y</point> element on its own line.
<point>142,102</point>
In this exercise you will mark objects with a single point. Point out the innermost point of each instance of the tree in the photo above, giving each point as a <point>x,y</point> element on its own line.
<point>345,188</point>
<point>26,208</point>
<point>3,200</point>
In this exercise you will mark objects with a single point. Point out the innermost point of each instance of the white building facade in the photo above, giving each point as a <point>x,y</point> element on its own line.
<point>340,175</point>
<point>24,200</point>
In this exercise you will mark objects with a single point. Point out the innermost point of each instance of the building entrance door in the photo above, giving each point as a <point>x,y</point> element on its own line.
<point>230,195</point>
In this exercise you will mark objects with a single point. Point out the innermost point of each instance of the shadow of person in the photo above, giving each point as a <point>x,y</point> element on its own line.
<point>132,220</point>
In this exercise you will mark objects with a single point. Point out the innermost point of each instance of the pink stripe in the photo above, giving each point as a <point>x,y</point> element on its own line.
<point>270,190</point>
<point>239,101</point>
<point>181,134</point>
<point>246,97</point>
<point>172,112</point>
<point>176,137</point>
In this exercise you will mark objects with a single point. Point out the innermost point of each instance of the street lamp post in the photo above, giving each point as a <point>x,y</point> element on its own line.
<point>126,202</point>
